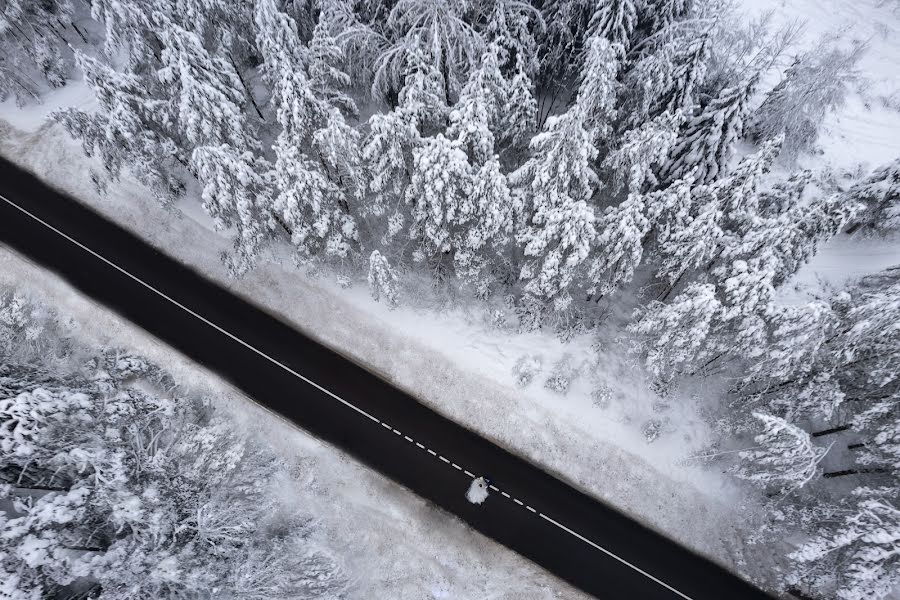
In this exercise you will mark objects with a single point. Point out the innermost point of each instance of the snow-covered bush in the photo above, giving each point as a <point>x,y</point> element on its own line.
<point>382,279</point>
<point>526,368</point>
<point>561,375</point>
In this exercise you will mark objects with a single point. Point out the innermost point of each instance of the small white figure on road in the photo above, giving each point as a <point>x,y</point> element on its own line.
<point>478,491</point>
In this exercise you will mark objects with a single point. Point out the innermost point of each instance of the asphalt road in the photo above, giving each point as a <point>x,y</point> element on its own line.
<point>570,534</point>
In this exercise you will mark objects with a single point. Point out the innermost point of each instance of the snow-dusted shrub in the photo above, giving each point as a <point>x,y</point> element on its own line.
<point>526,368</point>
<point>562,375</point>
<point>651,430</point>
<point>601,395</point>
<point>382,279</point>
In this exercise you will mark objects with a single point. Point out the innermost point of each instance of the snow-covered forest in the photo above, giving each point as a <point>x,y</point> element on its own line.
<point>633,164</point>
<point>115,484</point>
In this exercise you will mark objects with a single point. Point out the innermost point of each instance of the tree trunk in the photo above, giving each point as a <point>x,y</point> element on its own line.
<point>845,472</point>
<point>837,429</point>
<point>796,593</point>
<point>78,31</point>
<point>246,89</point>
<point>855,446</point>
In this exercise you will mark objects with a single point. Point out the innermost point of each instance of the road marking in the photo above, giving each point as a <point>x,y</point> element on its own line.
<point>420,446</point>
<point>494,487</point>
<point>407,438</point>
<point>608,553</point>
<point>472,475</point>
<point>323,390</point>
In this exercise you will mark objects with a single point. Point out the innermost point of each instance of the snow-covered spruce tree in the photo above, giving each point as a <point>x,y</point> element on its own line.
<point>660,14</point>
<point>206,93</point>
<point>520,111</point>
<point>129,33</point>
<point>598,87</point>
<point>326,78</point>
<point>439,197</point>
<point>237,193</point>
<point>815,85</point>
<point>707,143</point>
<point>667,72</point>
<point>636,158</point>
<point>858,556</point>
<point>476,119</point>
<point>439,29</point>
<point>514,26</point>
<point>615,21</point>
<point>560,46</point>
<point>126,131</point>
<point>620,242</point>
<point>556,183</point>
<point>382,279</point>
<point>33,51</point>
<point>880,195</point>
<point>312,206</point>
<point>784,457</point>
<point>673,336</point>
<point>387,150</point>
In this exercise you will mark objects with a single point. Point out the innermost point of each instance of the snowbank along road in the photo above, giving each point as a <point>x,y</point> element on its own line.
<point>572,535</point>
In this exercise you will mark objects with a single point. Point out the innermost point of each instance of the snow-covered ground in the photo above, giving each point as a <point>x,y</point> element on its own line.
<point>393,544</point>
<point>461,360</point>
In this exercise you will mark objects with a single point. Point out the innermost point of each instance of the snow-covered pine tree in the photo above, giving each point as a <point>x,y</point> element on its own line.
<point>556,183</point>
<point>520,111</point>
<point>619,245</point>
<point>707,143</point>
<point>567,23</point>
<point>337,145</point>
<point>298,110</point>
<point>475,120</point>
<point>439,196</point>
<point>785,456</point>
<point>860,553</point>
<point>635,159</point>
<point>615,21</point>
<point>439,29</point>
<point>206,93</point>
<point>667,72</point>
<point>880,195</point>
<point>126,131</point>
<point>309,202</point>
<point>326,78</point>
<point>815,85</point>
<point>33,47</point>
<point>513,26</point>
<point>237,192</point>
<point>598,87</point>
<point>674,336</point>
<point>491,227</point>
<point>130,35</point>
<point>660,14</point>
<point>382,279</point>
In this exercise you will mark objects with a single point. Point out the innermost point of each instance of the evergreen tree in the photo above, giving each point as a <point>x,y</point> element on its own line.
<point>785,456</point>
<point>326,79</point>
<point>439,194</point>
<point>520,111</point>
<point>640,151</point>
<point>237,189</point>
<point>620,244</point>
<point>207,95</point>
<point>861,550</point>
<point>614,20</point>
<point>475,121</point>
<point>557,181</point>
<point>597,91</point>
<point>660,14</point>
<point>512,26</point>
<point>708,140</point>
<point>382,279</point>
<point>880,195</point>
<point>674,335</point>
<point>126,131</point>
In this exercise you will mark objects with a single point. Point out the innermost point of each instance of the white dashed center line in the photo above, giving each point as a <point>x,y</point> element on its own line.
<point>335,396</point>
